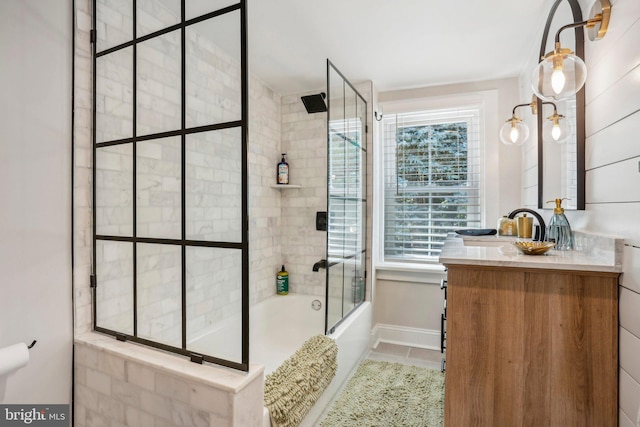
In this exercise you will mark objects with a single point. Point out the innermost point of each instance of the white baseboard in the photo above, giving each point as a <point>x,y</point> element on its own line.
<point>404,335</point>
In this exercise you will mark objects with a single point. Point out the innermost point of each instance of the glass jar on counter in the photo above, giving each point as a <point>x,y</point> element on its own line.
<point>507,227</point>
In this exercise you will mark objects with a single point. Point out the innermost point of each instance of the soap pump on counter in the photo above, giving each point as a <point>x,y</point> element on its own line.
<point>559,230</point>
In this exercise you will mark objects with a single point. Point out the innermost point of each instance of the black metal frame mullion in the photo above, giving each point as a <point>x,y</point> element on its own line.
<point>183,242</point>
<point>94,42</point>
<point>135,167</point>
<point>344,191</point>
<point>245,181</point>
<point>326,272</point>
<point>179,132</point>
<point>187,242</point>
<point>183,181</point>
<point>365,194</point>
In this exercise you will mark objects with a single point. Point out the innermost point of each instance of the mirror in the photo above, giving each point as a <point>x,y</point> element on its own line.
<point>561,166</point>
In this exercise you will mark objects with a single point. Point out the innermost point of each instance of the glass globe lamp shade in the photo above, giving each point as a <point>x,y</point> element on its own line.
<point>556,129</point>
<point>514,132</point>
<point>560,75</point>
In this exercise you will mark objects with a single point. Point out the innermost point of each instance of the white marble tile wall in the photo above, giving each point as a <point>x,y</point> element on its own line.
<point>158,79</point>
<point>214,186</point>
<point>115,295</point>
<point>114,100</point>
<point>115,386</point>
<point>304,139</point>
<point>114,198</point>
<point>214,293</point>
<point>265,243</point>
<point>159,273</point>
<point>153,15</point>
<point>213,74</point>
<point>82,172</point>
<point>116,24</point>
<point>158,188</point>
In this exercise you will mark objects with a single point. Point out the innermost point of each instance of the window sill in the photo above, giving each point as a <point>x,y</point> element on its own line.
<point>430,274</point>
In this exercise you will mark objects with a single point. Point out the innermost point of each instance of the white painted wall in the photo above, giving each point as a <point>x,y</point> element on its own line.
<point>35,188</point>
<point>612,174</point>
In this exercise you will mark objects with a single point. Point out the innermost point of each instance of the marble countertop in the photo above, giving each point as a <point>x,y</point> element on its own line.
<point>593,253</point>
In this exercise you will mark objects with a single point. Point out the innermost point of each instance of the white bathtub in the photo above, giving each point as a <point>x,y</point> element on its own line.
<point>279,325</point>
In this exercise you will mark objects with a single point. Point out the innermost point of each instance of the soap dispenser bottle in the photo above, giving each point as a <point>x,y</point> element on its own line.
<point>559,230</point>
<point>283,171</point>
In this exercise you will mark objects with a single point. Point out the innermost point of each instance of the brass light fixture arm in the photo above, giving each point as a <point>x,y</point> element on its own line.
<point>555,116</point>
<point>598,22</point>
<point>513,112</point>
<point>555,109</point>
<point>534,106</point>
<point>574,25</point>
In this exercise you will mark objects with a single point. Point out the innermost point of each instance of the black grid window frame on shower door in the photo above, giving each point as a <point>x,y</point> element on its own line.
<point>182,133</point>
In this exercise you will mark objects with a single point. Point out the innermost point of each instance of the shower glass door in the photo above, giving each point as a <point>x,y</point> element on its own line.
<point>346,197</point>
<point>170,176</point>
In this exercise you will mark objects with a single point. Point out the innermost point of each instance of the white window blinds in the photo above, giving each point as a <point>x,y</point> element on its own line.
<point>431,162</point>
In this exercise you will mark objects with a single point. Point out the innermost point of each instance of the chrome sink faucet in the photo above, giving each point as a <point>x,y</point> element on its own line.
<point>540,233</point>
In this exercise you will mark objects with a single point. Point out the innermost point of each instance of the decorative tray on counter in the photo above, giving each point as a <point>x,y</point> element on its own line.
<point>533,248</point>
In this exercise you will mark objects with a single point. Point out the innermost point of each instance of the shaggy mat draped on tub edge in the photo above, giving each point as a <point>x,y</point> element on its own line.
<point>292,389</point>
<point>383,394</point>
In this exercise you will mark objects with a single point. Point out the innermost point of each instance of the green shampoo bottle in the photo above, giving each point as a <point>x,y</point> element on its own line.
<point>282,282</point>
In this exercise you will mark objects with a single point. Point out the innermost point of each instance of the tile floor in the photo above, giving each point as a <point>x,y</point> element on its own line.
<point>406,355</point>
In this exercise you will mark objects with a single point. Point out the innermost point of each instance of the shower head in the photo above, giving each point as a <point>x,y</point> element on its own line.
<point>315,103</point>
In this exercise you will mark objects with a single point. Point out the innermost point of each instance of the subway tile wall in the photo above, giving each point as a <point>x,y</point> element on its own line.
<point>265,247</point>
<point>114,387</point>
<point>304,139</point>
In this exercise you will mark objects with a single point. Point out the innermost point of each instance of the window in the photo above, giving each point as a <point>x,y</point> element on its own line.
<point>431,167</point>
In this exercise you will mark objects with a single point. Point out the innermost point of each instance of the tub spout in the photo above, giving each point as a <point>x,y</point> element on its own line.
<point>541,225</point>
<point>320,264</point>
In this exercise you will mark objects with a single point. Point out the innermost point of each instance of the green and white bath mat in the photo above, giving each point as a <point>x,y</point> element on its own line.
<point>292,389</point>
<point>383,394</point>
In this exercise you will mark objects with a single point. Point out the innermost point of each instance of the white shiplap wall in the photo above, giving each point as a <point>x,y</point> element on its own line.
<point>613,173</point>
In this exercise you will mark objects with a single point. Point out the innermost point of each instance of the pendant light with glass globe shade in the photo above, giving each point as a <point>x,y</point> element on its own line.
<point>515,131</point>
<point>561,74</point>
<point>556,128</point>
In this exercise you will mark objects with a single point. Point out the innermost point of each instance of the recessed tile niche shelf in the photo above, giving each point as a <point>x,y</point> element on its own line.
<point>281,186</point>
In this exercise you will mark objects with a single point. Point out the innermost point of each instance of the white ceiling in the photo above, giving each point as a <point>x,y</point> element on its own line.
<point>396,44</point>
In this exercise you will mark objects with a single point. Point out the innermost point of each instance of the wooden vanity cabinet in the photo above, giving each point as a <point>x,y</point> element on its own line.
<point>531,347</point>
